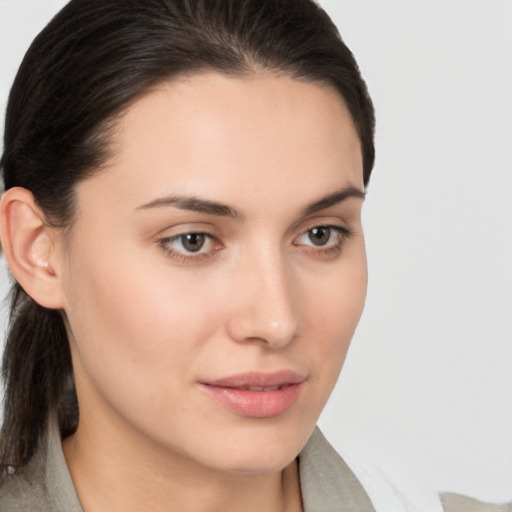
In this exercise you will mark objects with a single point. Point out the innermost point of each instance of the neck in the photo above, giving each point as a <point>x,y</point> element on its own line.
<point>122,474</point>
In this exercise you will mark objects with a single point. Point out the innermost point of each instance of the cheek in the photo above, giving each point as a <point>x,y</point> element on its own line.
<point>337,293</point>
<point>128,316</point>
<point>332,313</point>
<point>137,336</point>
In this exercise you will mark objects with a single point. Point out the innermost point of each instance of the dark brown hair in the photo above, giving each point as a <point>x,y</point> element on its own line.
<point>92,61</point>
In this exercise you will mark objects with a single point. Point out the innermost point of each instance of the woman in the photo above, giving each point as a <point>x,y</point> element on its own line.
<point>182,216</point>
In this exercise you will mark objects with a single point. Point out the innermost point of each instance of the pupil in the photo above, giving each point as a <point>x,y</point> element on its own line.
<point>193,242</point>
<point>319,236</point>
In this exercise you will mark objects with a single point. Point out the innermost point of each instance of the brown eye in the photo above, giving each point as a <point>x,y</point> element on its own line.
<point>193,242</point>
<point>320,235</point>
<point>191,247</point>
<point>326,240</point>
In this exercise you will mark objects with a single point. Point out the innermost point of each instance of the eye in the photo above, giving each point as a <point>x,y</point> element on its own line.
<point>320,235</point>
<point>190,247</point>
<point>192,242</point>
<point>323,239</point>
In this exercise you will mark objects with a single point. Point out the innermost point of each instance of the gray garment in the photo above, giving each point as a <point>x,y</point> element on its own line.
<point>327,483</point>
<point>457,503</point>
<point>45,485</point>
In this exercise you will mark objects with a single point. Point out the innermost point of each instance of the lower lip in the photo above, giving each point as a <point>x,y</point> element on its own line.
<point>256,404</point>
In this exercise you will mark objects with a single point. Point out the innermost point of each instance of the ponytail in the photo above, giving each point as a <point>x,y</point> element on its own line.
<point>37,375</point>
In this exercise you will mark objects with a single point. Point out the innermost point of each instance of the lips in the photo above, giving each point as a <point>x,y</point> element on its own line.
<point>255,394</point>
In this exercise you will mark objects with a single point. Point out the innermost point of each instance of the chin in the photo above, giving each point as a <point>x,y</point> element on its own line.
<point>254,462</point>
<point>256,448</point>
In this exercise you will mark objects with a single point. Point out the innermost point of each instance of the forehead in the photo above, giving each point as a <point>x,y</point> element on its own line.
<point>235,136</point>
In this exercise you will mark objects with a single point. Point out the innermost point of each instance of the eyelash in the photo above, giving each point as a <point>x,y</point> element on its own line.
<point>342,235</point>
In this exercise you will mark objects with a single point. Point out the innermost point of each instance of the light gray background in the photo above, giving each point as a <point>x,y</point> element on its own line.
<point>427,387</point>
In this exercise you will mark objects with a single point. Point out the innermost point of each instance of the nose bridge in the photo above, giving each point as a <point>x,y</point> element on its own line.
<point>267,309</point>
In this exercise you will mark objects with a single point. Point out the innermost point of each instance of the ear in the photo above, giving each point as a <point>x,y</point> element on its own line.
<point>32,248</point>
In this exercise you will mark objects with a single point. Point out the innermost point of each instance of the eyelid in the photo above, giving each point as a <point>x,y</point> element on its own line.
<point>183,228</point>
<point>328,221</point>
<point>334,217</point>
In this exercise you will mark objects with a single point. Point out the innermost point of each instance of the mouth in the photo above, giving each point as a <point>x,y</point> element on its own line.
<point>255,394</point>
<point>259,388</point>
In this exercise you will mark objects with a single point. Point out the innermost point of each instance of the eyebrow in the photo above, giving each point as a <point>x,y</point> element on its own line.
<point>334,199</point>
<point>195,204</point>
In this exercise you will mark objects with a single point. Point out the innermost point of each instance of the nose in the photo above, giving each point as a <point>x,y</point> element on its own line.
<point>265,305</point>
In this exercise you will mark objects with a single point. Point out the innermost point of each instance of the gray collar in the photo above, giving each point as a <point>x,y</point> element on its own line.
<point>59,484</point>
<point>327,483</point>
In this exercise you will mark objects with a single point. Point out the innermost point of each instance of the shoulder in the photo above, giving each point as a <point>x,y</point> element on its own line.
<point>39,486</point>
<point>25,490</point>
<point>458,503</point>
<point>44,484</point>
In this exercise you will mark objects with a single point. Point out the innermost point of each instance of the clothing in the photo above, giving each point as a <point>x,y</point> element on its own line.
<point>458,503</point>
<point>44,484</point>
<point>327,483</point>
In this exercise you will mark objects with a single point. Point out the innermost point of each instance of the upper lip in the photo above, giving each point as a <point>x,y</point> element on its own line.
<point>258,379</point>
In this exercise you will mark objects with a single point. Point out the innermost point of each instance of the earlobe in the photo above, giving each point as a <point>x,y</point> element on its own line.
<point>29,247</point>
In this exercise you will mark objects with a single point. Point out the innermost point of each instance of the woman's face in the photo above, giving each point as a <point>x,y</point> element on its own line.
<point>216,271</point>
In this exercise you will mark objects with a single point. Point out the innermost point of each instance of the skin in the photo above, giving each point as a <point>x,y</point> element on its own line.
<point>149,321</point>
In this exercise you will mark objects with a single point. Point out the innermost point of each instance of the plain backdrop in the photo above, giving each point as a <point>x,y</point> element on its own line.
<point>426,392</point>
